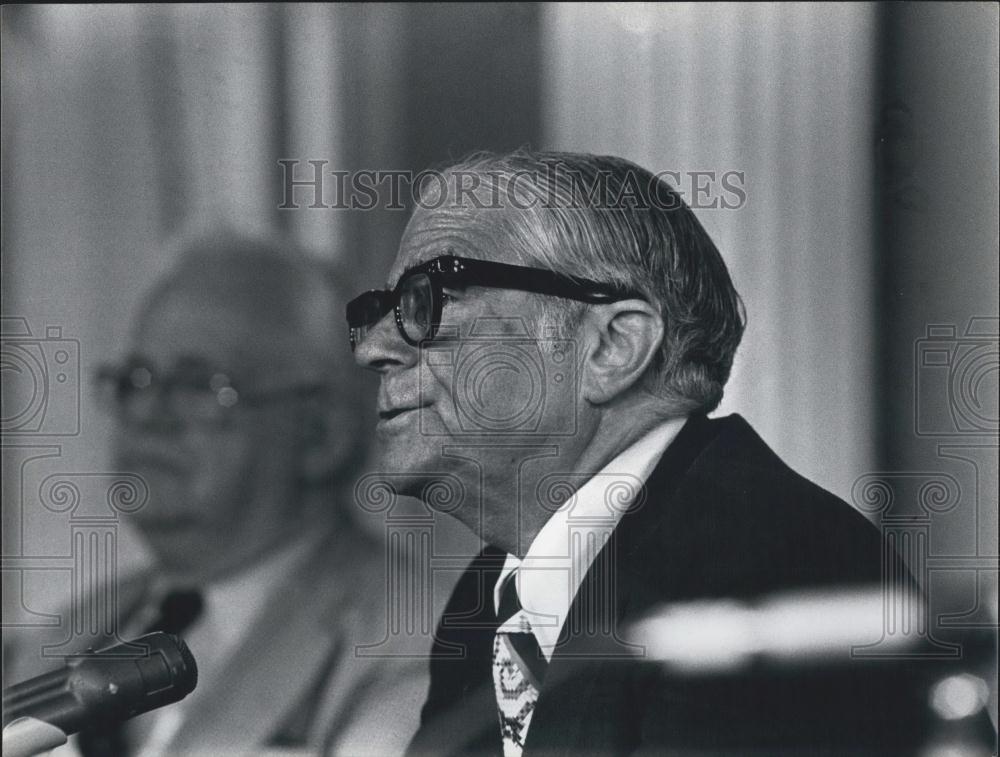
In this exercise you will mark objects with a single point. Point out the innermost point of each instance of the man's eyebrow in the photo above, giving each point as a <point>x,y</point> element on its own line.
<point>421,260</point>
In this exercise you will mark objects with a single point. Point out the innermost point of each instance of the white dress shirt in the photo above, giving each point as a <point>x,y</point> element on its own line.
<point>562,552</point>
<point>230,608</point>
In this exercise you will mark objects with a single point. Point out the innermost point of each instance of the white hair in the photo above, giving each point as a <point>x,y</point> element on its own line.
<point>609,220</point>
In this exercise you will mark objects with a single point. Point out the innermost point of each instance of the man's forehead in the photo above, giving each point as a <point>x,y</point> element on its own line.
<point>184,327</point>
<point>448,231</point>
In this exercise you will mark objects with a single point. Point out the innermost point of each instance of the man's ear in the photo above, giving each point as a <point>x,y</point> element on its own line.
<point>621,340</point>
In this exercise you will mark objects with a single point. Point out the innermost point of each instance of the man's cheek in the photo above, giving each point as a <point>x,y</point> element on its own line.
<point>220,474</point>
<point>437,377</point>
<point>500,387</point>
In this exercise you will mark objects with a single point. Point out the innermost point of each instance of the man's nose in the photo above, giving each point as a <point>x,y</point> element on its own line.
<point>153,412</point>
<point>383,348</point>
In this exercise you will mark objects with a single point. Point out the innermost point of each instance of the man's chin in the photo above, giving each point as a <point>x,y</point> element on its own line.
<point>443,485</point>
<point>404,456</point>
<point>182,555</point>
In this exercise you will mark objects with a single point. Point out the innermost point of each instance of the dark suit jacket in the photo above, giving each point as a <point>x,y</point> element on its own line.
<point>723,517</point>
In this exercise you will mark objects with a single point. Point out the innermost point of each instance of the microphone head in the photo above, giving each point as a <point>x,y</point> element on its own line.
<point>166,673</point>
<point>108,686</point>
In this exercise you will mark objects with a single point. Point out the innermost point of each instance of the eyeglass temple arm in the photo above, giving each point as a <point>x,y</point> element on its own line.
<point>506,276</point>
<point>355,310</point>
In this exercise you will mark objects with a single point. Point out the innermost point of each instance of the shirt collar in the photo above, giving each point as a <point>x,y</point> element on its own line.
<point>232,603</point>
<point>552,569</point>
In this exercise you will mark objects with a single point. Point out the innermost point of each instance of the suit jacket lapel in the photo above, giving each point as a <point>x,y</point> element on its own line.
<point>272,669</point>
<point>589,667</point>
<point>572,710</point>
<point>586,676</point>
<point>460,715</point>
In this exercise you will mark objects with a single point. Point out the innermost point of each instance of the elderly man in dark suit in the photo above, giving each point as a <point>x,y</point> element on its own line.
<point>556,330</point>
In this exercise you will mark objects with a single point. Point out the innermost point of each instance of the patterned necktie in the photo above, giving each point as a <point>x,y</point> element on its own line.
<point>518,670</point>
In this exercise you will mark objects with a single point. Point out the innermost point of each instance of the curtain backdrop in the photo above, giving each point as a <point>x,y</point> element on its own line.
<point>123,125</point>
<point>784,94</point>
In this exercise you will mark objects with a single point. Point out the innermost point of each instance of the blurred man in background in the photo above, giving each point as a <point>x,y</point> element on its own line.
<point>237,411</point>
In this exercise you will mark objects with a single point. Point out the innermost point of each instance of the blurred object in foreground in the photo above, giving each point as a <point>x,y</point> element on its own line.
<point>813,651</point>
<point>807,627</point>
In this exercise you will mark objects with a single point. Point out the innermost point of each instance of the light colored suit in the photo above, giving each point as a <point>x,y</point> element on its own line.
<point>296,683</point>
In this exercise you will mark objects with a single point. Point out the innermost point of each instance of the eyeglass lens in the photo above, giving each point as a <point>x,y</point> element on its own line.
<point>137,394</point>
<point>416,306</point>
<point>414,310</point>
<point>371,313</point>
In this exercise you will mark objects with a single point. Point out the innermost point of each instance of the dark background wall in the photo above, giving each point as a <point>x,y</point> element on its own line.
<point>938,298</point>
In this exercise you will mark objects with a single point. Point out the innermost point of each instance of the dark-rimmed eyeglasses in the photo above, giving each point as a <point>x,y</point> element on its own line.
<point>135,389</point>
<point>418,297</point>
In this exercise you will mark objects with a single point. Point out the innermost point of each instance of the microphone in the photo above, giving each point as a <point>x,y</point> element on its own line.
<point>108,686</point>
